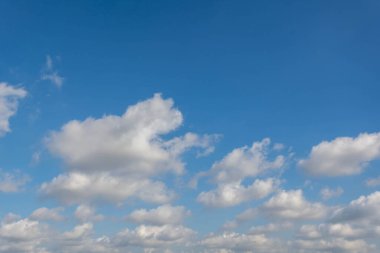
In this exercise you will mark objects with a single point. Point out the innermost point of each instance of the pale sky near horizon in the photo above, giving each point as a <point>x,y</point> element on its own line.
<point>189,126</point>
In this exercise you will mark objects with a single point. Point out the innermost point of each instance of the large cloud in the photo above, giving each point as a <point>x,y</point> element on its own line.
<point>76,187</point>
<point>342,156</point>
<point>115,157</point>
<point>9,97</point>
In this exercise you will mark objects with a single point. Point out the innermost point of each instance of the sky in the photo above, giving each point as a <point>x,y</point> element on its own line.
<point>189,126</point>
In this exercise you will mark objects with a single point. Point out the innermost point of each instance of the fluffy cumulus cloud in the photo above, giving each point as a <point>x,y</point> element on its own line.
<point>232,194</point>
<point>86,213</point>
<point>77,187</point>
<point>365,209</point>
<point>9,99</point>
<point>342,156</point>
<point>154,236</point>
<point>340,237</point>
<point>235,242</point>
<point>165,214</point>
<point>352,228</point>
<point>292,205</point>
<point>116,157</point>
<point>134,157</point>
<point>24,236</point>
<point>284,207</point>
<point>245,162</point>
<point>241,164</point>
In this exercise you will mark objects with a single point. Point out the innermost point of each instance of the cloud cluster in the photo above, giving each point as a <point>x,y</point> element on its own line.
<point>328,193</point>
<point>128,157</point>
<point>22,235</point>
<point>241,164</point>
<point>348,229</point>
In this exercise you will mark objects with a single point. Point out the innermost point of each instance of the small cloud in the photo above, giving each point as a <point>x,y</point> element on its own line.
<point>327,193</point>
<point>45,214</point>
<point>36,157</point>
<point>372,182</point>
<point>12,182</point>
<point>49,73</point>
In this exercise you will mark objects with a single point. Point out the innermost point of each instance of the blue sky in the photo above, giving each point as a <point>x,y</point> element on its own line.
<point>189,126</point>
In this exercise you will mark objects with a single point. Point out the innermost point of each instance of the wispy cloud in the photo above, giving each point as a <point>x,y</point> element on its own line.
<point>12,182</point>
<point>49,73</point>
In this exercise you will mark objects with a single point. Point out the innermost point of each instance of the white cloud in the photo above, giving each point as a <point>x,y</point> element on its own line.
<point>44,213</point>
<point>242,243</point>
<point>12,182</point>
<point>49,73</point>
<point>79,231</point>
<point>86,213</point>
<point>9,97</point>
<point>292,205</point>
<point>154,236</point>
<point>339,237</point>
<point>165,214</point>
<point>245,162</point>
<point>365,209</point>
<point>22,236</point>
<point>321,231</point>
<point>342,156</point>
<point>336,245</point>
<point>233,169</point>
<point>283,207</point>
<point>80,239</point>
<point>226,195</point>
<point>78,187</point>
<point>328,193</point>
<point>115,157</point>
